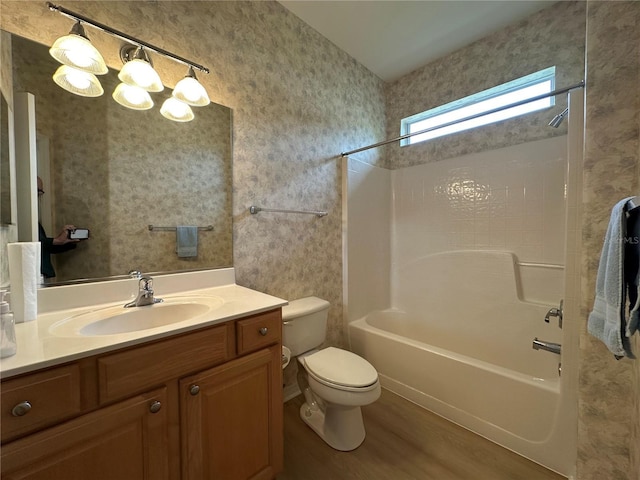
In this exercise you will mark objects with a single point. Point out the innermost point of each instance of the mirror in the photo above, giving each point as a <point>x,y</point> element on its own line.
<point>5,169</point>
<point>115,171</point>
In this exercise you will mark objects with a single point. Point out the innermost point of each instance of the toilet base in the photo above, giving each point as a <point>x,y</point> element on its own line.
<point>340,427</point>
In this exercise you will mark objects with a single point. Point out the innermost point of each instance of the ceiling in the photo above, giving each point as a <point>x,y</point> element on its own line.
<point>394,37</point>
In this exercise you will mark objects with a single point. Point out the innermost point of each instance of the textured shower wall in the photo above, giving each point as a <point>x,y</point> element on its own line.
<point>609,405</point>
<point>553,36</point>
<point>509,199</point>
<point>297,100</point>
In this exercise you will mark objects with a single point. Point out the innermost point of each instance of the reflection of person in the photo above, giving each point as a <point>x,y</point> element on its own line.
<point>49,245</point>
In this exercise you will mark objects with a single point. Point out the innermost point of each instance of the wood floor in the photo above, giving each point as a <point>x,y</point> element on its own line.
<point>403,442</point>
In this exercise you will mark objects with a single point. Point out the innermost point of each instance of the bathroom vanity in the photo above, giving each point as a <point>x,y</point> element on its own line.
<point>192,400</point>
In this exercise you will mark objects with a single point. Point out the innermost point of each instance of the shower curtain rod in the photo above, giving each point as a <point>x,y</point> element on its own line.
<point>472,117</point>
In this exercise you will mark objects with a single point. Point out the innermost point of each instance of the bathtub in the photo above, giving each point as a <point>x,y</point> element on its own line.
<point>461,347</point>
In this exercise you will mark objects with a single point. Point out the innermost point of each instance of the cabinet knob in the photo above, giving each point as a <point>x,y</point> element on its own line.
<point>263,331</point>
<point>155,406</point>
<point>21,409</point>
<point>194,389</point>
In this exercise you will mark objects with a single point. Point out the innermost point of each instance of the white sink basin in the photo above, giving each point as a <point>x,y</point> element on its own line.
<point>118,320</point>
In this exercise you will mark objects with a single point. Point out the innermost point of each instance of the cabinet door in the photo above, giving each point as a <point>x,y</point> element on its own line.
<point>231,419</point>
<point>127,440</point>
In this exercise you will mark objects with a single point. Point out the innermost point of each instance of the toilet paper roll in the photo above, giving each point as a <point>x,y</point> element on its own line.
<point>24,275</point>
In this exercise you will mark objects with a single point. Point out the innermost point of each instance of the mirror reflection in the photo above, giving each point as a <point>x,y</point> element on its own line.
<point>115,171</point>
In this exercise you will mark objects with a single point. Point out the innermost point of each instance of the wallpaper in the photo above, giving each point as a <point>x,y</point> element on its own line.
<point>297,101</point>
<point>609,433</point>
<point>552,37</point>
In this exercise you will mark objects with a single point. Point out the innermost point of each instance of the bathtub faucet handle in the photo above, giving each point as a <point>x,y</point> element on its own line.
<point>555,312</point>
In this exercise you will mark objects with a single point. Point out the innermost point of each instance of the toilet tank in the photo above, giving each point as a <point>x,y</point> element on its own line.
<point>304,324</point>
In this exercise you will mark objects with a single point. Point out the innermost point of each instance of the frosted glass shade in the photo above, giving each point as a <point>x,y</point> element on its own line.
<point>176,110</point>
<point>139,73</point>
<point>77,51</point>
<point>78,82</point>
<point>132,97</point>
<point>190,91</point>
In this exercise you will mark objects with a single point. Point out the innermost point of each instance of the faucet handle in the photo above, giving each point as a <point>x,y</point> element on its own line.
<point>146,284</point>
<point>555,312</point>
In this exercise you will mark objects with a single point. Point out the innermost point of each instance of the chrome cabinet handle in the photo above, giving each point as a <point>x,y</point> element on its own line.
<point>21,409</point>
<point>155,406</point>
<point>263,331</point>
<point>194,389</point>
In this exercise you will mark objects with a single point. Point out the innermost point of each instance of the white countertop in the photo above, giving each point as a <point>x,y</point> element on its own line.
<point>38,347</point>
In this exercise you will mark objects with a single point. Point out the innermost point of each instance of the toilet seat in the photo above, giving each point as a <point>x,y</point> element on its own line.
<point>341,369</point>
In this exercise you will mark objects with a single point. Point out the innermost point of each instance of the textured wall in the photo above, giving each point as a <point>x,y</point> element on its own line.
<point>297,100</point>
<point>608,437</point>
<point>553,36</point>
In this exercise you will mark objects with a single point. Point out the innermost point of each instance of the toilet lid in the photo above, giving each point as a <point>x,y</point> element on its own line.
<point>341,367</point>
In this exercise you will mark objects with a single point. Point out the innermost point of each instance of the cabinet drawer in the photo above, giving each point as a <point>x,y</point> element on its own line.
<point>132,371</point>
<point>259,331</point>
<point>38,400</point>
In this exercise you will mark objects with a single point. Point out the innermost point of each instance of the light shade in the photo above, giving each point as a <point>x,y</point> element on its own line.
<point>177,111</point>
<point>138,72</point>
<point>77,81</point>
<point>132,97</point>
<point>75,50</point>
<point>189,90</point>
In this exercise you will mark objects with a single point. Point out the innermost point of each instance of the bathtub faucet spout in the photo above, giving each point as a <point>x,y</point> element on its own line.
<point>547,346</point>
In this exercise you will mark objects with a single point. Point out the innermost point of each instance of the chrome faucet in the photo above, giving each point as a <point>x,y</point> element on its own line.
<point>547,346</point>
<point>145,294</point>
<point>555,312</point>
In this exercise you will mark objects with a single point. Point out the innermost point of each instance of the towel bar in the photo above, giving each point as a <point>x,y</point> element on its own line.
<point>253,210</point>
<point>153,228</point>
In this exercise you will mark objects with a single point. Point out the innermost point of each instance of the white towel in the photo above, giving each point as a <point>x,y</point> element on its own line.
<point>606,321</point>
<point>187,241</point>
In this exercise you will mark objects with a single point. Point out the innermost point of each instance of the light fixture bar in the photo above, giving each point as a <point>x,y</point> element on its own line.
<point>124,36</point>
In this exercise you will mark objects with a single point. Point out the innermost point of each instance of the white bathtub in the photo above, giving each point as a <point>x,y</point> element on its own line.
<point>462,349</point>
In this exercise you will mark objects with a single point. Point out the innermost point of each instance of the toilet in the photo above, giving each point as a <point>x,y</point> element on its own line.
<point>335,382</point>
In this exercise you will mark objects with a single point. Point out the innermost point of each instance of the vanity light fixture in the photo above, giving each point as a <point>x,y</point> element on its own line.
<point>132,97</point>
<point>174,109</point>
<point>190,91</point>
<point>77,81</point>
<point>75,50</point>
<point>138,71</point>
<point>135,56</point>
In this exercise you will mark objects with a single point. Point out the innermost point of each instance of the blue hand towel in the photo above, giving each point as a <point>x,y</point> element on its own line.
<point>607,320</point>
<point>187,241</point>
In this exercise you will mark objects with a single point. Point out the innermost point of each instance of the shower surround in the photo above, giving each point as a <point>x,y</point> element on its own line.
<point>476,258</point>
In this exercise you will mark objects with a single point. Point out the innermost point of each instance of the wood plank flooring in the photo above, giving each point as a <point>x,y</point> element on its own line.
<point>404,442</point>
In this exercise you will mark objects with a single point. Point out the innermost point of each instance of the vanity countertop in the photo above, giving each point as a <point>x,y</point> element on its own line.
<point>39,347</point>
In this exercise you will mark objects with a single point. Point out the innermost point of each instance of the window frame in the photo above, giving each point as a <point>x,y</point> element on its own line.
<point>537,78</point>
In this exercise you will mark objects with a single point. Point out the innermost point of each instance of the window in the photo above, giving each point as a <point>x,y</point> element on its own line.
<point>517,90</point>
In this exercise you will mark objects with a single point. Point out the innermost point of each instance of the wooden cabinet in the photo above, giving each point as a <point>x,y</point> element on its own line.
<point>126,440</point>
<point>201,405</point>
<point>232,419</point>
<point>38,400</point>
